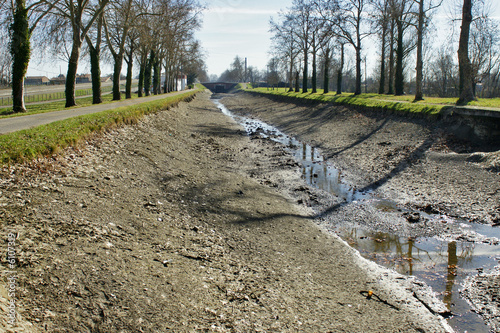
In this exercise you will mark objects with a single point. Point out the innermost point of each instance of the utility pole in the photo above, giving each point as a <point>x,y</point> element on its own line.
<point>246,78</point>
<point>267,77</point>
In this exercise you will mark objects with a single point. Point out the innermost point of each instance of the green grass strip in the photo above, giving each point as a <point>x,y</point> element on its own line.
<point>364,100</point>
<point>48,139</point>
<point>430,106</point>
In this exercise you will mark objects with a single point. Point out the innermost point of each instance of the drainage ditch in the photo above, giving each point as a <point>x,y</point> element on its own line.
<point>443,262</point>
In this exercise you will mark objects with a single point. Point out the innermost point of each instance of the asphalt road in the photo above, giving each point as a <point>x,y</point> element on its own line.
<point>8,125</point>
<point>47,89</point>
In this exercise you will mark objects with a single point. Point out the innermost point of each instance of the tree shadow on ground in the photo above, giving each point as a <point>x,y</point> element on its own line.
<point>411,158</point>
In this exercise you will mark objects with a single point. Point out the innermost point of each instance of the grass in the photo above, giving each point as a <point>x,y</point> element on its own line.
<point>429,106</point>
<point>48,139</point>
<point>55,106</point>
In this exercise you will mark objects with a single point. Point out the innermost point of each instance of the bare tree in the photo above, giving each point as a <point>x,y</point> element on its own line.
<point>79,16</point>
<point>194,65</point>
<point>285,43</point>
<point>423,16</point>
<point>273,77</point>
<point>402,11</point>
<point>327,49</point>
<point>236,71</point>
<point>22,20</point>
<point>95,55</point>
<point>119,19</point>
<point>381,23</point>
<point>180,19</point>
<point>345,19</point>
<point>443,73</point>
<point>484,45</point>
<point>6,58</point>
<point>303,27</point>
<point>466,74</point>
<point>340,71</point>
<point>146,41</point>
<point>130,48</point>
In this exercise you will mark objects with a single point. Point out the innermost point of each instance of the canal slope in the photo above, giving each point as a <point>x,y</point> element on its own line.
<point>434,183</point>
<point>174,225</point>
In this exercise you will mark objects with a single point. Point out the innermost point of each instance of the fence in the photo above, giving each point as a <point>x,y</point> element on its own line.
<point>7,101</point>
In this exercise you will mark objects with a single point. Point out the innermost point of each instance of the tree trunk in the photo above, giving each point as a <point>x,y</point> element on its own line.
<point>419,68</point>
<point>399,79</point>
<point>147,73</point>
<point>304,78</point>
<point>291,74</point>
<point>326,69</point>
<point>381,87</point>
<point>314,77</point>
<point>141,74</point>
<point>465,68</point>
<point>117,71</point>
<point>390,90</point>
<point>72,68</point>
<point>340,71</point>
<point>297,84</point>
<point>20,51</point>
<point>165,83</point>
<point>156,77</point>
<point>358,71</point>
<point>128,84</point>
<point>95,72</point>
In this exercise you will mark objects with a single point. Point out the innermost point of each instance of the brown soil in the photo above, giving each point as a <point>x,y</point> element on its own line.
<point>412,161</point>
<point>174,225</point>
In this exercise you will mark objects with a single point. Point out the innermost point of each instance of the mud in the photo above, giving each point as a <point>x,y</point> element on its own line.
<point>416,164</point>
<point>182,223</point>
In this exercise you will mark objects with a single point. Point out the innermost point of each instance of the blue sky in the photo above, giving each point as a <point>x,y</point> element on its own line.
<point>238,27</point>
<point>241,27</point>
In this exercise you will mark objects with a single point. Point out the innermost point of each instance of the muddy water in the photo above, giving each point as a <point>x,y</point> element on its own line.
<point>440,263</point>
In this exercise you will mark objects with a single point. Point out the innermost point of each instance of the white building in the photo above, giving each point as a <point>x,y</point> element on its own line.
<point>181,82</point>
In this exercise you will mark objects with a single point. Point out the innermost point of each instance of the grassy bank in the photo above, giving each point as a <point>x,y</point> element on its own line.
<point>48,139</point>
<point>431,106</point>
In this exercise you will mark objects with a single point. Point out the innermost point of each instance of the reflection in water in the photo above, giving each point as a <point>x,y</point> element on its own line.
<point>442,265</point>
<point>432,260</point>
<point>452,273</point>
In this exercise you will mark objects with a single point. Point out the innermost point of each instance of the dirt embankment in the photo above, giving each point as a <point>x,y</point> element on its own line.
<point>172,225</point>
<point>412,161</point>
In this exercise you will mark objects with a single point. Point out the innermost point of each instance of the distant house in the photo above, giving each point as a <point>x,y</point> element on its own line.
<point>83,78</point>
<point>105,79</point>
<point>36,80</point>
<point>61,79</point>
<point>181,82</point>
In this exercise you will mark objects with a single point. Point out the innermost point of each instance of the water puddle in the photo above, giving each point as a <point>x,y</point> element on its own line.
<point>441,263</point>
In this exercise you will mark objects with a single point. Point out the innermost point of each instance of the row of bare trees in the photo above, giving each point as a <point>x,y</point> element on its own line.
<point>157,34</point>
<point>322,29</point>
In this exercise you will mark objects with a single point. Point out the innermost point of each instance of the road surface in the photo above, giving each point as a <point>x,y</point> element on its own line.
<point>8,125</point>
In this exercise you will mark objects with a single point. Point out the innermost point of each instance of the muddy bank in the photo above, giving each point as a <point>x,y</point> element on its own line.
<point>483,293</point>
<point>175,224</point>
<point>413,162</point>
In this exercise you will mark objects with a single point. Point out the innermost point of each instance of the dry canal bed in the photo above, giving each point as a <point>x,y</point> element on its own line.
<point>441,250</point>
<point>183,222</point>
